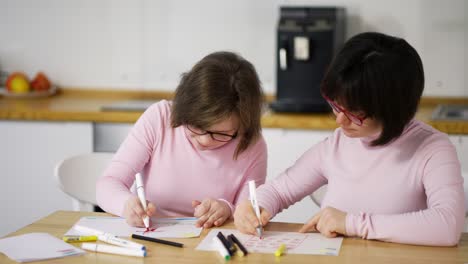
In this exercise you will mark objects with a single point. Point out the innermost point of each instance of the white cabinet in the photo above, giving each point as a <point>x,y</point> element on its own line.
<point>109,136</point>
<point>285,146</point>
<point>461,144</point>
<point>29,152</point>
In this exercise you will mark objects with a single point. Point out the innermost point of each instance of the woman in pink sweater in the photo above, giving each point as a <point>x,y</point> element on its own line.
<point>196,153</point>
<point>389,177</point>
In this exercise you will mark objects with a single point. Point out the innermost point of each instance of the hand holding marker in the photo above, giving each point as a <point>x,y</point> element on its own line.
<point>142,197</point>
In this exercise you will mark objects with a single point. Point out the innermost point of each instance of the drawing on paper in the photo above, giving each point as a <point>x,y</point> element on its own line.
<point>296,243</point>
<point>272,243</point>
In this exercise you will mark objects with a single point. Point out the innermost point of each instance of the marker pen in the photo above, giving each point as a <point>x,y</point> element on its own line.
<point>238,244</point>
<point>114,250</point>
<point>109,238</point>
<point>157,240</point>
<point>253,200</point>
<point>79,238</point>
<point>221,248</point>
<point>226,243</point>
<point>141,196</point>
<point>280,250</point>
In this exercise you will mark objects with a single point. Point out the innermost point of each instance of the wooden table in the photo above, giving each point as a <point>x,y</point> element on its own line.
<point>353,250</point>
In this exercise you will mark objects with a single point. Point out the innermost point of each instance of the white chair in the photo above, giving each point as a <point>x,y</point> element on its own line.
<point>77,176</point>
<point>318,195</point>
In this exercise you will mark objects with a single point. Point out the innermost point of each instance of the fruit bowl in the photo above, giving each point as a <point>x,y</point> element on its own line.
<point>32,94</point>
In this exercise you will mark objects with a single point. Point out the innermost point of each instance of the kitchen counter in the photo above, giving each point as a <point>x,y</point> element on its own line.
<point>85,105</point>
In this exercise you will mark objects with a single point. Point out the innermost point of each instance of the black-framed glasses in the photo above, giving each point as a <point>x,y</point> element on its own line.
<point>338,109</point>
<point>222,137</point>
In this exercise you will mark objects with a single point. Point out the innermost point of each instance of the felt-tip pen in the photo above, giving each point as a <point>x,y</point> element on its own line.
<point>226,243</point>
<point>222,250</point>
<point>253,200</point>
<point>141,195</point>
<point>243,251</point>
<point>109,238</point>
<point>157,240</point>
<point>280,250</point>
<point>114,249</point>
<point>79,238</point>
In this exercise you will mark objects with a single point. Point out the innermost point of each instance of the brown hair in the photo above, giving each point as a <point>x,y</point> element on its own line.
<point>221,84</point>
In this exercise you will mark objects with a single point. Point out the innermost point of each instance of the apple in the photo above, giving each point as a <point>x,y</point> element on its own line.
<point>17,82</point>
<point>40,82</point>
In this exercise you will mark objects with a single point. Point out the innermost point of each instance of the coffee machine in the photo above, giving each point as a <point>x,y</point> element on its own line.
<point>307,40</point>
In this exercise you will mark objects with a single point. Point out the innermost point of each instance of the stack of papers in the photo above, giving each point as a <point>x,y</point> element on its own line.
<point>36,246</point>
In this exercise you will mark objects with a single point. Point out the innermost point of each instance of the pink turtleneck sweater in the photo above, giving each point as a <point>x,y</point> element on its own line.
<point>175,172</point>
<point>409,191</point>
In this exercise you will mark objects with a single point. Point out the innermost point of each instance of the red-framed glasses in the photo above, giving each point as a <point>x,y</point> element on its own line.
<point>338,109</point>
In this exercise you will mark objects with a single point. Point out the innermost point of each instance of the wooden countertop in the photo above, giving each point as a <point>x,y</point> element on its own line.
<point>84,105</point>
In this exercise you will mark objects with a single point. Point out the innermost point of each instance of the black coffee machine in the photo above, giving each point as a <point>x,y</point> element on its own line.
<point>307,40</point>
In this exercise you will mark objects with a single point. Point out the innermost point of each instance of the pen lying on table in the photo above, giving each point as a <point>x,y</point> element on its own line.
<point>157,240</point>
<point>79,238</point>
<point>114,249</point>
<point>109,238</point>
<point>243,251</point>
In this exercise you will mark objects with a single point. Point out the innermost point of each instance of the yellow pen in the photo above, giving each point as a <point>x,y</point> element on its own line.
<point>79,238</point>
<point>280,250</point>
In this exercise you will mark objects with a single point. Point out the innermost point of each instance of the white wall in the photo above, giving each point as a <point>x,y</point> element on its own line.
<point>147,44</point>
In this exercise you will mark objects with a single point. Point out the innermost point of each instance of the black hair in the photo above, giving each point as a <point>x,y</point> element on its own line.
<point>379,75</point>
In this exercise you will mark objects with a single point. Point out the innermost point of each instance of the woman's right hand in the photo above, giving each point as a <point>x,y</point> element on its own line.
<point>245,219</point>
<point>134,212</point>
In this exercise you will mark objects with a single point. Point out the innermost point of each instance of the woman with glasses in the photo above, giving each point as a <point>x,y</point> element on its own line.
<point>390,177</point>
<point>197,152</point>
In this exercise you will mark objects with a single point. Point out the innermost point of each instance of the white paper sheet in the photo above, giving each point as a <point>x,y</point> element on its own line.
<point>36,246</point>
<point>296,243</point>
<point>164,227</point>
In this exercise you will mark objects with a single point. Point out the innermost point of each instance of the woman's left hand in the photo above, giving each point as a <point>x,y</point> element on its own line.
<point>210,212</point>
<point>329,221</point>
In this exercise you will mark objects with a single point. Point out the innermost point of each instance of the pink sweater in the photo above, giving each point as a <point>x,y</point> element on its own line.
<point>175,173</point>
<point>409,191</point>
